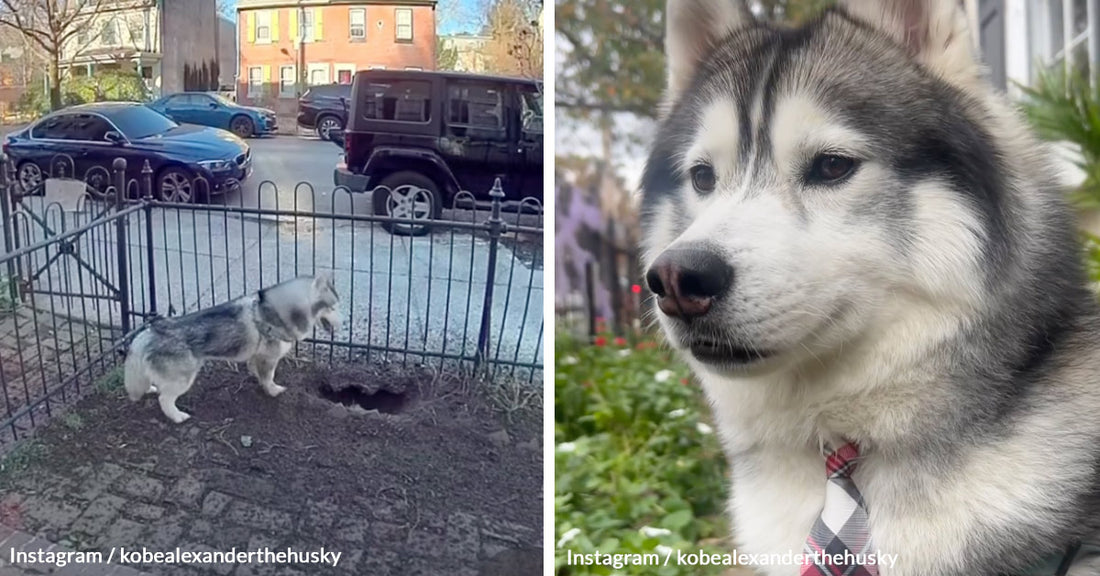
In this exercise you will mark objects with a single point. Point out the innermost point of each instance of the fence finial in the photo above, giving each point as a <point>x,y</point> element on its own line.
<point>147,181</point>
<point>498,190</point>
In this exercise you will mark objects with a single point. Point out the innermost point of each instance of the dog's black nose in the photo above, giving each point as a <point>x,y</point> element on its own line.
<point>688,280</point>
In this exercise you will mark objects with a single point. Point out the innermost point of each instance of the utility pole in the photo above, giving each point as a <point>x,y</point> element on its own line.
<point>302,78</point>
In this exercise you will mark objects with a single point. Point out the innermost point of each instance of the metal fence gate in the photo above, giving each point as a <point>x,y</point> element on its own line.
<point>79,278</point>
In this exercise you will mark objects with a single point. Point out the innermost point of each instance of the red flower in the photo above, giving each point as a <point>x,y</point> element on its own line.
<point>684,381</point>
<point>620,341</point>
<point>601,341</point>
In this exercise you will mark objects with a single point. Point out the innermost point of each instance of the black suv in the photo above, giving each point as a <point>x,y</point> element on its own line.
<point>324,108</point>
<point>425,136</point>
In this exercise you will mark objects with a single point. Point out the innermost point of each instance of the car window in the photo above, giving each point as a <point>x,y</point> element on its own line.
<point>89,127</point>
<point>58,127</point>
<point>478,106</point>
<point>218,98</point>
<point>178,100</point>
<point>140,122</point>
<point>531,111</point>
<point>399,101</point>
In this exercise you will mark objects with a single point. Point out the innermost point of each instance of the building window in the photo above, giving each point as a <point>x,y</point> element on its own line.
<point>1061,33</point>
<point>288,81</point>
<point>108,35</point>
<point>404,30</point>
<point>263,26</point>
<point>343,76</point>
<point>307,25</point>
<point>255,80</point>
<point>357,22</point>
<point>318,76</point>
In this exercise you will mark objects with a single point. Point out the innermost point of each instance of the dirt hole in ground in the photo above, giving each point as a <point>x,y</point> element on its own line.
<point>381,400</point>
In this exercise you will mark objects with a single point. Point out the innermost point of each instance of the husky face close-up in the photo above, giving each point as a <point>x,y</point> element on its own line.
<point>855,240</point>
<point>808,182</point>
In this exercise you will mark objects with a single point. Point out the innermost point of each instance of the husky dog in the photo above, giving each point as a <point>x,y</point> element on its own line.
<point>259,328</point>
<point>852,237</point>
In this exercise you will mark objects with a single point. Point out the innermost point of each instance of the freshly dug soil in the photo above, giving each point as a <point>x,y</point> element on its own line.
<point>399,447</point>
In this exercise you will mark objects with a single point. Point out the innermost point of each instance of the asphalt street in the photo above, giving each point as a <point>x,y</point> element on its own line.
<point>419,294</point>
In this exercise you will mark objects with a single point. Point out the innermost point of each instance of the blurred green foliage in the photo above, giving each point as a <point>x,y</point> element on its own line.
<point>612,57</point>
<point>104,86</point>
<point>1064,106</point>
<point>637,465</point>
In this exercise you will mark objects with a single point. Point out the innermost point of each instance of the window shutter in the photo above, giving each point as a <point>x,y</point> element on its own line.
<point>275,25</point>
<point>317,24</point>
<point>293,27</point>
<point>267,73</point>
<point>250,23</point>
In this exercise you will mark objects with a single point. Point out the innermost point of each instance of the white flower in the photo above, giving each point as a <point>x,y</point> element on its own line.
<point>567,447</point>
<point>677,413</point>
<point>664,551</point>
<point>651,532</point>
<point>663,375</point>
<point>568,536</point>
<point>569,360</point>
<point>624,352</point>
<point>703,428</point>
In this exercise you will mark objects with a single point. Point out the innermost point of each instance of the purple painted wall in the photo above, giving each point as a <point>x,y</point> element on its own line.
<point>578,240</point>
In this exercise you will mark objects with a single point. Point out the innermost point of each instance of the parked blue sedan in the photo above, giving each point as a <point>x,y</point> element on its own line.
<point>84,141</point>
<point>217,111</point>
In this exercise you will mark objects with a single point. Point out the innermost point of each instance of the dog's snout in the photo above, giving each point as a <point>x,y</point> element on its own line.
<point>688,280</point>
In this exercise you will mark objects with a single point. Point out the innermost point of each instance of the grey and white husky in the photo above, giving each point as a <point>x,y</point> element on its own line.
<point>259,328</point>
<point>852,237</point>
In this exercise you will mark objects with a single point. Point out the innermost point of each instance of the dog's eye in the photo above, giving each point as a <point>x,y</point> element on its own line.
<point>703,178</point>
<point>830,168</point>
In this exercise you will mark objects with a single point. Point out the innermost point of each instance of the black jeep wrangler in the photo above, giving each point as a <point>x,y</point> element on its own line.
<point>425,136</point>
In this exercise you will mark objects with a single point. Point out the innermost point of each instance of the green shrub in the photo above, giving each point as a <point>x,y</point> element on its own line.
<point>103,87</point>
<point>634,458</point>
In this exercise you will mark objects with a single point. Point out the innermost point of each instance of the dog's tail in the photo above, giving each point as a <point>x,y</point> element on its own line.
<point>137,378</point>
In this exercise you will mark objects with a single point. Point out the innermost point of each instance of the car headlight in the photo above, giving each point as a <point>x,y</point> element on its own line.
<point>217,165</point>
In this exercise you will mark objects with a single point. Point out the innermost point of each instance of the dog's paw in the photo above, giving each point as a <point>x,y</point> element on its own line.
<point>274,390</point>
<point>180,417</point>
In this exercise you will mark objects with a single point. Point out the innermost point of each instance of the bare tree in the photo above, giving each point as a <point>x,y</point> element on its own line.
<point>516,44</point>
<point>53,25</point>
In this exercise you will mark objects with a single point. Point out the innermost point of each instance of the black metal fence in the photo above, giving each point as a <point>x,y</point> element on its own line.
<point>79,277</point>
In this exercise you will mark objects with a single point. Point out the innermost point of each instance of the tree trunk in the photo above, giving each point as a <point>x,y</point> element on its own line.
<point>55,81</point>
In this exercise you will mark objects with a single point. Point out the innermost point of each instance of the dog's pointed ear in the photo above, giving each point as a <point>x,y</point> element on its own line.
<point>322,280</point>
<point>935,32</point>
<point>692,29</point>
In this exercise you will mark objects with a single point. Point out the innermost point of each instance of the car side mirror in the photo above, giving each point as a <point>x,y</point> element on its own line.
<point>213,105</point>
<point>114,137</point>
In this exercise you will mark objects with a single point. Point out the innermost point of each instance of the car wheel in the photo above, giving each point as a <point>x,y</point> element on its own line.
<point>326,125</point>
<point>175,185</point>
<point>242,126</point>
<point>97,180</point>
<point>30,177</point>
<point>407,195</point>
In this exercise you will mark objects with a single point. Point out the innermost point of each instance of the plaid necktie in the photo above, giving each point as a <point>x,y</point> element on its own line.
<point>841,532</point>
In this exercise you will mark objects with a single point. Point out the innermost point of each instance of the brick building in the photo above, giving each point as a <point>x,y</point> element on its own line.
<point>287,45</point>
